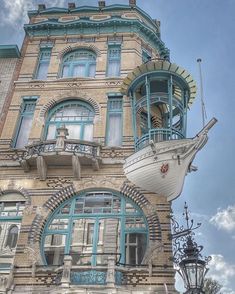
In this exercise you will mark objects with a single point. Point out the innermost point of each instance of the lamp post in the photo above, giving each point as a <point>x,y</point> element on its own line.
<point>192,267</point>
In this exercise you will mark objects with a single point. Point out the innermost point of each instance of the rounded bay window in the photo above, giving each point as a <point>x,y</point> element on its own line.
<point>77,116</point>
<point>94,225</point>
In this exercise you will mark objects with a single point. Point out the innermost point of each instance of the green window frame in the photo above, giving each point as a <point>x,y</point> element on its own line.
<point>43,64</point>
<point>11,211</point>
<point>79,63</point>
<point>146,56</point>
<point>114,60</point>
<point>25,121</point>
<point>114,122</point>
<point>94,225</point>
<point>76,115</point>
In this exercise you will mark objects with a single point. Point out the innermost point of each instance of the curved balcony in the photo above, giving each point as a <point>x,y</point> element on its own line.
<point>61,152</point>
<point>159,97</point>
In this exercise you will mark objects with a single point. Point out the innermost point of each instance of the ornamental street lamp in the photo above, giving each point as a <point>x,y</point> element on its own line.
<point>187,256</point>
<point>192,267</point>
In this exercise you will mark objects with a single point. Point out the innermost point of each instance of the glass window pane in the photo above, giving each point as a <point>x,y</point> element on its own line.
<point>23,134</point>
<point>42,71</point>
<point>79,70</point>
<point>82,241</point>
<point>54,247</point>
<point>114,137</point>
<point>135,248</point>
<point>90,233</point>
<point>65,71</point>
<point>108,239</point>
<point>59,224</point>
<point>114,68</point>
<point>92,69</point>
<point>12,237</point>
<point>88,133</point>
<point>74,131</point>
<point>51,132</point>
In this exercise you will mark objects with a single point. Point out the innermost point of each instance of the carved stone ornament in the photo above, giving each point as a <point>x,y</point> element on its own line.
<point>37,86</point>
<point>74,85</point>
<point>113,83</point>
<point>94,181</point>
<point>58,182</point>
<point>29,210</point>
<point>112,153</point>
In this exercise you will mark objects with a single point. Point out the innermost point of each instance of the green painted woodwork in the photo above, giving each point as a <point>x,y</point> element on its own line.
<point>90,27</point>
<point>9,51</point>
<point>84,212</point>
<point>114,121</point>
<point>76,115</point>
<point>78,63</point>
<point>24,121</point>
<point>94,9</point>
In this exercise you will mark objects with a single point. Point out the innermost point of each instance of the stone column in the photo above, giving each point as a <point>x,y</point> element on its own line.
<point>65,280</point>
<point>62,133</point>
<point>110,280</point>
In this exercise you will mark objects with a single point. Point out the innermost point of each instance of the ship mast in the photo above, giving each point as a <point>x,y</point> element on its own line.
<point>203,108</point>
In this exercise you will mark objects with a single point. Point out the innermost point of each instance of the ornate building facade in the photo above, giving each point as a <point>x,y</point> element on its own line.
<point>95,91</point>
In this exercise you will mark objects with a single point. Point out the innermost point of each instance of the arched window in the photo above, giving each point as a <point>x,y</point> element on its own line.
<point>94,225</point>
<point>79,63</point>
<point>12,237</point>
<point>77,116</point>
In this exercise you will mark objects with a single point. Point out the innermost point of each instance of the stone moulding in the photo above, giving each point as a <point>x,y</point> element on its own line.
<point>13,188</point>
<point>114,24</point>
<point>50,104</point>
<point>71,48</point>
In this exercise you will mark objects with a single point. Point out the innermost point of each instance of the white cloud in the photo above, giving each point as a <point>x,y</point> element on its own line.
<point>225,219</point>
<point>223,272</point>
<point>15,12</point>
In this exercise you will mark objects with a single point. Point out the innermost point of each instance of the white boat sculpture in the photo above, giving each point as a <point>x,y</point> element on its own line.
<point>161,167</point>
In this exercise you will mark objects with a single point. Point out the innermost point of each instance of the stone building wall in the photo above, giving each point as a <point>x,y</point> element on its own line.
<point>7,68</point>
<point>22,174</point>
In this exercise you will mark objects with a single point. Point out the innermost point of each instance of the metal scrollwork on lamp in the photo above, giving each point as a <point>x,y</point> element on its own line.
<point>191,266</point>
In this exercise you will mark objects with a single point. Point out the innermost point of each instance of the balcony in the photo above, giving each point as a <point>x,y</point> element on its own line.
<point>60,152</point>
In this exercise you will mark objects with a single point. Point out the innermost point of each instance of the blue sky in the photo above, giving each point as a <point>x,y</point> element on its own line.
<point>190,29</point>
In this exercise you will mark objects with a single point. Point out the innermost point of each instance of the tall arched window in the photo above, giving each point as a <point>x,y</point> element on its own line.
<point>79,63</point>
<point>77,116</point>
<point>94,225</point>
<point>12,237</point>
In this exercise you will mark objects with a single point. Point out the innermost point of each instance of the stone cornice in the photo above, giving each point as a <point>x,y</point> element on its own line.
<point>111,25</point>
<point>93,9</point>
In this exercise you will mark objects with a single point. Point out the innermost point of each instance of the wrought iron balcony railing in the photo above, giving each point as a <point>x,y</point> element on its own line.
<point>158,135</point>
